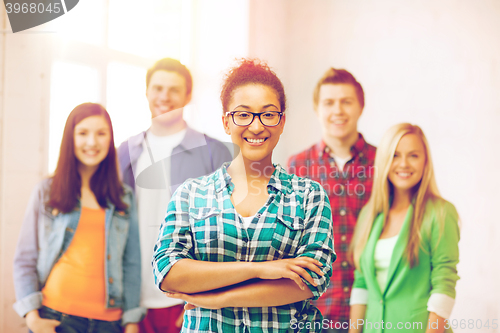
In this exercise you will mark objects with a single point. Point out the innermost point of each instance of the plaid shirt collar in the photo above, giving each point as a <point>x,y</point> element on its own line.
<point>356,149</point>
<point>279,182</point>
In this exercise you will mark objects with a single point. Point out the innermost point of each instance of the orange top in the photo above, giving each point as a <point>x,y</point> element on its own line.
<point>76,283</point>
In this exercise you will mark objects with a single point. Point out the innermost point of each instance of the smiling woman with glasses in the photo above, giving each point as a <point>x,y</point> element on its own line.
<point>248,246</point>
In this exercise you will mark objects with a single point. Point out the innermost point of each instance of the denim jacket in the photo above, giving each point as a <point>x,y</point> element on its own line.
<point>45,236</point>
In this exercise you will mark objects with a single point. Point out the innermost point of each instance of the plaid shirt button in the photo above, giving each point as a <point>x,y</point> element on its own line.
<point>342,212</point>
<point>343,238</point>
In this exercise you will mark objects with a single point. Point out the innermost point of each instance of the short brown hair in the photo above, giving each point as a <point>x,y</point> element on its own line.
<point>171,65</point>
<point>338,76</point>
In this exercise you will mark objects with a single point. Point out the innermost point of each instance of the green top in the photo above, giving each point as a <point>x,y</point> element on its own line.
<point>403,301</point>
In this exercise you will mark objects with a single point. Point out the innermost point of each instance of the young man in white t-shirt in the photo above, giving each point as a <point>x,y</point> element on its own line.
<point>154,163</point>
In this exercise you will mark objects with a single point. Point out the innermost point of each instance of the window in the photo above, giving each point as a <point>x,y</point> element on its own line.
<point>101,50</point>
<point>111,43</point>
<point>67,81</point>
<point>127,105</point>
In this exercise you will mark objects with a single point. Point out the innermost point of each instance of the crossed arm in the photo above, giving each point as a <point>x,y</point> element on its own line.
<point>215,285</point>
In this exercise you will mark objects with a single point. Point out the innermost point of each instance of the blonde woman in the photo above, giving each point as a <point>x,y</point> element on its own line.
<point>405,246</point>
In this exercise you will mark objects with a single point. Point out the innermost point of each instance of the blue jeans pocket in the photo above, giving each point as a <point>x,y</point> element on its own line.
<point>109,327</point>
<point>75,324</point>
<point>48,313</point>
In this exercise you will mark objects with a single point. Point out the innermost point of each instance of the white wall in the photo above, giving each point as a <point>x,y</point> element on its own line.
<point>220,35</point>
<point>432,63</point>
<point>24,146</point>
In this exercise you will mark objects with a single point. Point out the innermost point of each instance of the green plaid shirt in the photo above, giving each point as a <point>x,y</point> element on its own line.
<point>202,224</point>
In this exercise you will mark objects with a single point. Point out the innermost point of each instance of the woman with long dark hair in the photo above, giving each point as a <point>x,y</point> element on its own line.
<point>250,245</point>
<point>77,262</point>
<point>405,245</point>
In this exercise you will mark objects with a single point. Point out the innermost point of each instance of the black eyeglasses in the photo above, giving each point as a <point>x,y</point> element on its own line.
<point>245,118</point>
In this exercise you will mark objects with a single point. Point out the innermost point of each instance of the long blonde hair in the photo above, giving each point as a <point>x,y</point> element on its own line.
<point>382,189</point>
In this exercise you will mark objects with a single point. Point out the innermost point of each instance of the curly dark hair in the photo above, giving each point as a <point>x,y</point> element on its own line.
<point>251,71</point>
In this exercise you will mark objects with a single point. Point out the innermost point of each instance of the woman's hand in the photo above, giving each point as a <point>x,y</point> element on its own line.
<point>290,269</point>
<point>40,325</point>
<point>208,300</point>
<point>189,306</point>
<point>131,328</point>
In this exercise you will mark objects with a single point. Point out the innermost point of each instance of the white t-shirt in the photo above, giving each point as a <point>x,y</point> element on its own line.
<point>340,161</point>
<point>382,259</point>
<point>152,206</point>
<point>247,220</point>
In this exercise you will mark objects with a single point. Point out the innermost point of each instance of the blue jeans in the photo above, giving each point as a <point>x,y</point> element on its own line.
<point>75,324</point>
